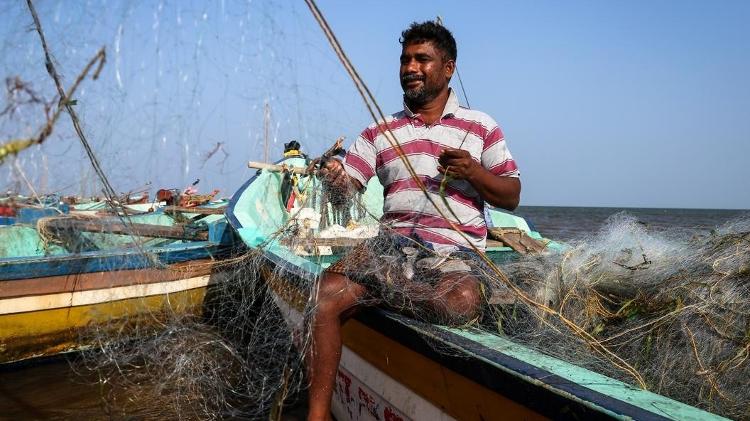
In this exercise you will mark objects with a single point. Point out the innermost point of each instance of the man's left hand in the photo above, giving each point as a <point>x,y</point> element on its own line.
<point>457,163</point>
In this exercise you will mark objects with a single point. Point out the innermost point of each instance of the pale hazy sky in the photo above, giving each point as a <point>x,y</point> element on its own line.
<point>603,103</point>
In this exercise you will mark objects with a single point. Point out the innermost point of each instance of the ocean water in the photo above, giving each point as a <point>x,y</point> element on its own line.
<point>54,390</point>
<point>568,223</point>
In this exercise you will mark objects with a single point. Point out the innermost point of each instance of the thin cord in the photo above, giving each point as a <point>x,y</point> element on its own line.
<point>461,82</point>
<point>439,21</point>
<point>386,131</point>
<point>107,190</point>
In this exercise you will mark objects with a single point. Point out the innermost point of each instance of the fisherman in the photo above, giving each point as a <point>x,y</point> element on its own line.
<point>460,157</point>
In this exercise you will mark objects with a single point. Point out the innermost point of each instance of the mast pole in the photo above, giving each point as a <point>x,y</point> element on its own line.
<point>266,123</point>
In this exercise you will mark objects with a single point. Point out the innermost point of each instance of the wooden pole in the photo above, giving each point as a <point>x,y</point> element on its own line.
<point>176,232</point>
<point>266,122</point>
<point>276,168</point>
<point>201,211</point>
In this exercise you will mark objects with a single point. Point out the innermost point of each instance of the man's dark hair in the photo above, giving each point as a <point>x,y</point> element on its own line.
<point>418,33</point>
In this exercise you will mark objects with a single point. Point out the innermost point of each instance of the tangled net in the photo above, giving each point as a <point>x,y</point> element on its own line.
<point>232,359</point>
<point>673,305</point>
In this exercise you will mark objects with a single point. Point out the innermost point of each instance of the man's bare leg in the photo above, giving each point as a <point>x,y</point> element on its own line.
<point>455,299</point>
<point>457,296</point>
<point>336,295</point>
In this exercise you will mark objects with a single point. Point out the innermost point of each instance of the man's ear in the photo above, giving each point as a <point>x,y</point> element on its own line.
<point>450,67</point>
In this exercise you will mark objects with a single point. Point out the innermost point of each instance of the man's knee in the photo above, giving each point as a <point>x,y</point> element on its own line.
<point>463,301</point>
<point>469,293</point>
<point>467,298</point>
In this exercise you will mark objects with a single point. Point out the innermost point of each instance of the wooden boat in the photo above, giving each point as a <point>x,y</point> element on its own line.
<point>62,275</point>
<point>395,368</point>
<point>11,207</point>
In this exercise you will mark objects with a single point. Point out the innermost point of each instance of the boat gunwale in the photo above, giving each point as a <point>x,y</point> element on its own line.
<point>97,261</point>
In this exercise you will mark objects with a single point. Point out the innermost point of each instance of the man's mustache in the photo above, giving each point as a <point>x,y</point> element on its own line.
<point>411,77</point>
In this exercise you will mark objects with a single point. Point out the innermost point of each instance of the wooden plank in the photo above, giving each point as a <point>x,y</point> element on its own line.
<point>143,230</point>
<point>347,242</point>
<point>196,210</point>
<point>450,391</point>
<point>276,168</point>
<point>315,241</point>
<point>101,280</point>
<point>516,239</point>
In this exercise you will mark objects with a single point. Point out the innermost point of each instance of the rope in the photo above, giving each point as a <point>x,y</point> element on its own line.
<point>371,103</point>
<point>439,21</point>
<point>108,191</point>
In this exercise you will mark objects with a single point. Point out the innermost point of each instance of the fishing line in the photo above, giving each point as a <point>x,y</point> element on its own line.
<point>117,207</point>
<point>387,132</point>
<point>439,21</point>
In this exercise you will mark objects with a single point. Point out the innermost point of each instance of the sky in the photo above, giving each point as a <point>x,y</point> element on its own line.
<point>603,103</point>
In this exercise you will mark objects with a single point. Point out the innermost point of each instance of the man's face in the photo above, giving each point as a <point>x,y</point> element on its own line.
<point>424,72</point>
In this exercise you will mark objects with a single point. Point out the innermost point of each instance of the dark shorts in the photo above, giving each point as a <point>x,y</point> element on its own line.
<point>385,263</point>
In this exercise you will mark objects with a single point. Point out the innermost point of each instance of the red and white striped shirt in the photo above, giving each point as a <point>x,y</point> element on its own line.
<point>405,207</point>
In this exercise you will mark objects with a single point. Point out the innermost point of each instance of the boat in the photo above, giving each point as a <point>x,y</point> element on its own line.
<point>397,368</point>
<point>66,274</point>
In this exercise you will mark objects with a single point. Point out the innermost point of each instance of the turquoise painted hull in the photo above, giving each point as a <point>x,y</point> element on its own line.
<point>25,254</point>
<point>49,293</point>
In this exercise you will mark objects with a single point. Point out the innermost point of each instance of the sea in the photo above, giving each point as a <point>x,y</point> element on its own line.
<point>571,223</point>
<point>57,389</point>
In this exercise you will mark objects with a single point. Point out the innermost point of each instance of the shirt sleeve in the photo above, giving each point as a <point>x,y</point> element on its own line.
<point>496,157</point>
<point>359,161</point>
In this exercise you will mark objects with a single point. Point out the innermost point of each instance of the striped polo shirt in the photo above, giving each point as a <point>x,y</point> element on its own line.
<point>405,207</point>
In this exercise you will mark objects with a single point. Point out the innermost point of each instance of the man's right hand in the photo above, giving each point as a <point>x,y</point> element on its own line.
<point>336,180</point>
<point>333,175</point>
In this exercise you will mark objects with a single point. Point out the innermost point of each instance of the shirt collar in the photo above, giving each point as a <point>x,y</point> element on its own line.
<point>451,106</point>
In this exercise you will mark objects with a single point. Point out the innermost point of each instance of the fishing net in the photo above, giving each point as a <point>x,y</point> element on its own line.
<point>673,304</point>
<point>663,309</point>
<point>155,88</point>
<point>670,304</point>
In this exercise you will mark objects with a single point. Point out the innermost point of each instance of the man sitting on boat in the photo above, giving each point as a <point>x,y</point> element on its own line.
<point>421,263</point>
